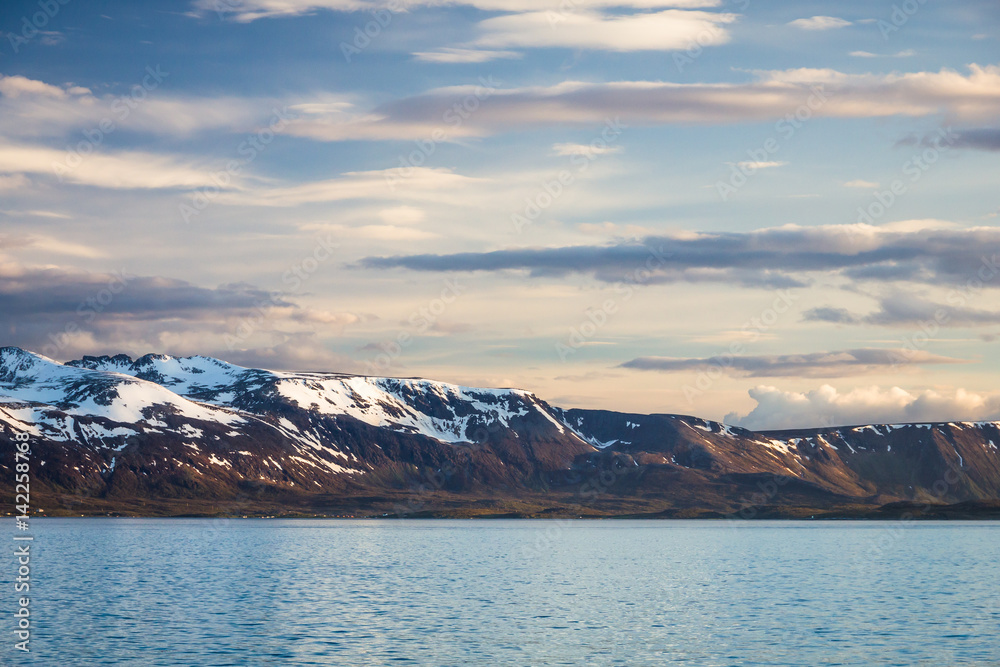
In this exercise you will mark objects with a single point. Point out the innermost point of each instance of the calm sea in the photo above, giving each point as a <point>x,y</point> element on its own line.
<point>286,592</point>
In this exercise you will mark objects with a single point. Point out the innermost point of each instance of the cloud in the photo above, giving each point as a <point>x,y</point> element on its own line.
<point>984,139</point>
<point>660,31</point>
<point>970,98</point>
<point>898,309</point>
<point>252,10</point>
<point>377,232</point>
<point>759,165</point>
<point>59,246</point>
<point>402,215</point>
<point>899,54</point>
<point>587,150</point>
<point>13,182</point>
<point>14,86</point>
<point>777,256</point>
<point>296,352</point>
<point>118,170</point>
<point>981,138</point>
<point>27,291</point>
<point>52,37</point>
<point>63,311</point>
<point>827,406</point>
<point>30,108</point>
<point>819,23</point>
<point>422,183</point>
<point>455,55</point>
<point>37,213</point>
<point>838,363</point>
<point>858,183</point>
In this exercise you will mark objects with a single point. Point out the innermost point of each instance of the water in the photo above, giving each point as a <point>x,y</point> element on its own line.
<point>283,592</point>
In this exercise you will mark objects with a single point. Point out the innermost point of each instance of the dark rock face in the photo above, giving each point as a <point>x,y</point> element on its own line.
<point>158,429</point>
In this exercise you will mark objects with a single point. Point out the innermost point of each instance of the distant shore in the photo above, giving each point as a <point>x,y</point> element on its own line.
<point>518,509</point>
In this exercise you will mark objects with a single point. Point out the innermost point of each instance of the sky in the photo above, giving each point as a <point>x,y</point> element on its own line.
<point>779,214</point>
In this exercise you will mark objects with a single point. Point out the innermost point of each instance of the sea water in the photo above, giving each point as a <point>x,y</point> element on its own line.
<point>509,592</point>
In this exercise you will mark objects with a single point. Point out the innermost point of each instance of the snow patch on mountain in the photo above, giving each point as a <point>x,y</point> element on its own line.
<point>446,412</point>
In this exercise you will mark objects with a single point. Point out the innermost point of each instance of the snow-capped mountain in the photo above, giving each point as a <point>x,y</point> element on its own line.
<point>213,427</point>
<point>114,432</point>
<point>434,409</point>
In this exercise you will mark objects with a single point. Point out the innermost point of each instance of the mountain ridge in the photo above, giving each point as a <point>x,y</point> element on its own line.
<point>200,435</point>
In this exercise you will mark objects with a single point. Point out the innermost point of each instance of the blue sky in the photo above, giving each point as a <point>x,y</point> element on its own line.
<point>607,203</point>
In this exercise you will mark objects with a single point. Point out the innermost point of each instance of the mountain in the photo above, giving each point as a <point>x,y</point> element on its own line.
<point>196,435</point>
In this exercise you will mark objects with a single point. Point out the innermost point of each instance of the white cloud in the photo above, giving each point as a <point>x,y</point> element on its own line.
<point>859,183</point>
<point>35,108</point>
<point>661,31</point>
<point>56,246</point>
<point>456,55</point>
<point>588,150</point>
<point>251,10</point>
<point>819,23</point>
<point>13,182</point>
<point>420,183</point>
<point>868,54</point>
<point>38,214</point>
<point>777,409</point>
<point>916,225</point>
<point>121,170</point>
<point>15,86</point>
<point>759,165</point>
<point>402,215</point>
<point>580,24</point>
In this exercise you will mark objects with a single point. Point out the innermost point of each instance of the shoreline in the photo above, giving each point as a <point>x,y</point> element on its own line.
<point>905,512</point>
